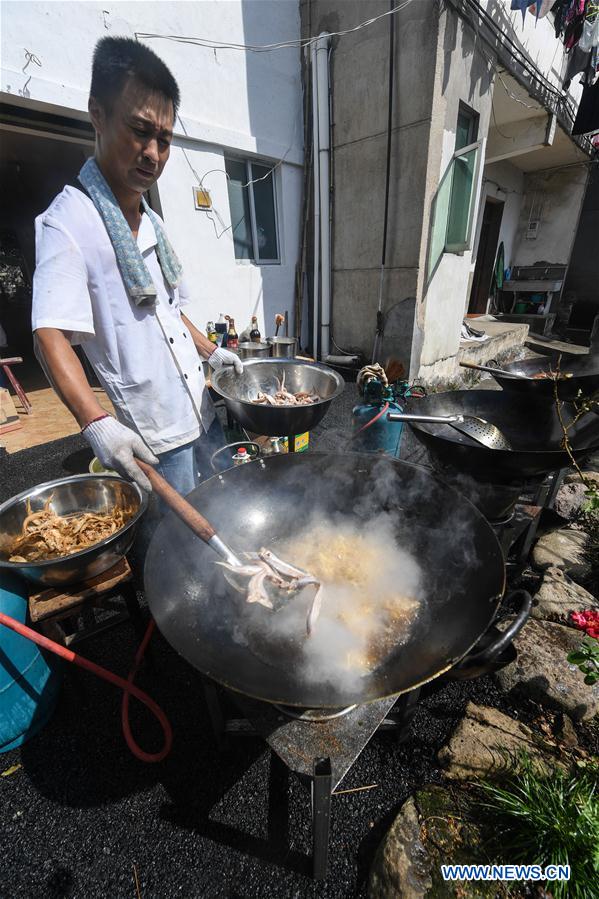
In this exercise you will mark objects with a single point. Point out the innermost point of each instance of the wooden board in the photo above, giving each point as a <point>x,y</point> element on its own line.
<point>57,602</point>
<point>9,417</point>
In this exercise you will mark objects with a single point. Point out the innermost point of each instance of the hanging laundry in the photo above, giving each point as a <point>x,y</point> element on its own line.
<point>521,5</point>
<point>544,7</point>
<point>583,61</point>
<point>587,117</point>
<point>590,34</point>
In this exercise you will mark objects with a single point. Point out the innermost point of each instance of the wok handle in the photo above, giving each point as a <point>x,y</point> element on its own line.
<point>408,416</point>
<point>182,509</point>
<point>489,652</point>
<point>494,371</point>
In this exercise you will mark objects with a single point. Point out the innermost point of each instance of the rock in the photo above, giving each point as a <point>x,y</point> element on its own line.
<point>558,596</point>
<point>402,867</point>
<point>574,478</point>
<point>565,733</point>
<point>486,742</point>
<point>563,549</point>
<point>542,672</point>
<point>570,499</point>
<point>439,826</point>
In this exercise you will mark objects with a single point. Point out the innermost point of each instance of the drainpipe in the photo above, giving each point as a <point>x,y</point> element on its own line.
<point>316,165</point>
<point>324,129</point>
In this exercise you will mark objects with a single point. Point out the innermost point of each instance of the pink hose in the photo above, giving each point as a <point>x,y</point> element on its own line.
<point>127,686</point>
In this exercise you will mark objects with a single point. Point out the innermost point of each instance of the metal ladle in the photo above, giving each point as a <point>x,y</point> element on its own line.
<point>478,428</point>
<point>194,520</point>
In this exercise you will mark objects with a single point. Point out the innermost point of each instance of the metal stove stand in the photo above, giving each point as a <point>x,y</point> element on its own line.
<point>323,751</point>
<point>320,752</point>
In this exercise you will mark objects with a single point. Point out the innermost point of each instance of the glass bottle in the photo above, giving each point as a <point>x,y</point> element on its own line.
<point>255,333</point>
<point>232,336</point>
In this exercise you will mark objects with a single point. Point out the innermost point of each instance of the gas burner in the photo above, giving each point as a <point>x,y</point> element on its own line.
<point>313,715</point>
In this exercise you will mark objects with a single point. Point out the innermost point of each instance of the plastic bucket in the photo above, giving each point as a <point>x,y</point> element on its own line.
<point>29,679</point>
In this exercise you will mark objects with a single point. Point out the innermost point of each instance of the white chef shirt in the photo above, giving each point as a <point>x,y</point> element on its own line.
<point>144,357</point>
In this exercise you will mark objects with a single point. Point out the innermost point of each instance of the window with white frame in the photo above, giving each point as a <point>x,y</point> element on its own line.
<point>455,200</point>
<point>253,207</point>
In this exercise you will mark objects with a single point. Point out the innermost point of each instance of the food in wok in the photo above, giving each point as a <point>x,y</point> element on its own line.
<point>46,535</point>
<point>367,594</point>
<point>551,375</point>
<point>282,397</point>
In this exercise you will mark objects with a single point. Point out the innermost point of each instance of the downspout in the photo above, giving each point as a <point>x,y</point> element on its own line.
<point>316,178</point>
<point>324,129</point>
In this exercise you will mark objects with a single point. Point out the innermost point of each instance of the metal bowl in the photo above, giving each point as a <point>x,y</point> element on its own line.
<point>283,347</point>
<point>262,375</point>
<point>250,350</point>
<point>80,493</point>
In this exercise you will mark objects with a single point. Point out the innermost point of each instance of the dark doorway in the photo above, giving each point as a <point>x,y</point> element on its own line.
<point>485,256</point>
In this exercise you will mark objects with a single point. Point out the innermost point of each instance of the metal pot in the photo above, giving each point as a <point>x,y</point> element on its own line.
<point>80,493</point>
<point>261,375</point>
<point>283,347</point>
<point>250,350</point>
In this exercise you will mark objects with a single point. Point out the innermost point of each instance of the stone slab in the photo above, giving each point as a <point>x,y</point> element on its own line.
<point>563,549</point>
<point>558,596</point>
<point>542,673</point>
<point>486,742</point>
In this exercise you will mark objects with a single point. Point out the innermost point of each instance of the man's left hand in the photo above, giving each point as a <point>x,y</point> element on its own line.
<point>222,357</point>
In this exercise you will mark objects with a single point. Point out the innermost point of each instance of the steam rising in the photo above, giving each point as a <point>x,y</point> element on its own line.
<point>371,597</point>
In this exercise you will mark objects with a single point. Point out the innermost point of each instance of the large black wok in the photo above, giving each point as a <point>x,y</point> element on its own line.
<point>533,429</point>
<point>583,383</point>
<point>266,501</point>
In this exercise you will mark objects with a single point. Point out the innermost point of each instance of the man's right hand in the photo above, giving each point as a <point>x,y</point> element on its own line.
<point>115,445</point>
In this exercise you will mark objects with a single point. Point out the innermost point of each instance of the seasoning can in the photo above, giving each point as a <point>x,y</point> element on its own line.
<point>241,456</point>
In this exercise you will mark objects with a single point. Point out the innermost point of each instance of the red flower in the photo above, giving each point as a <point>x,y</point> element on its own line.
<point>587,621</point>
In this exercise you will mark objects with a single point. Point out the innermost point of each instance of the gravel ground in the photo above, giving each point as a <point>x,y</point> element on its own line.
<point>82,816</point>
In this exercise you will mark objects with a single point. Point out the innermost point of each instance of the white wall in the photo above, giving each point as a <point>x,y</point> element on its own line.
<point>505,182</point>
<point>537,37</point>
<point>231,99</point>
<point>558,197</point>
<point>463,75</point>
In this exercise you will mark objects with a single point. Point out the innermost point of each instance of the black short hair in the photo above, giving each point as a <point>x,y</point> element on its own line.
<point>118,58</point>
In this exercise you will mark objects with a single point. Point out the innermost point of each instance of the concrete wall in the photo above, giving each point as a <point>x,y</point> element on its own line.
<point>556,197</point>
<point>505,182</point>
<point>360,108</point>
<point>583,274</point>
<point>461,75</point>
<point>248,103</point>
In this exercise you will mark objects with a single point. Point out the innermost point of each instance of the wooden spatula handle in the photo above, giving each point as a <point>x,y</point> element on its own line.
<point>184,510</point>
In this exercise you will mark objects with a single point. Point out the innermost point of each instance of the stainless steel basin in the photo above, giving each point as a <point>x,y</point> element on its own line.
<point>79,493</point>
<point>262,375</point>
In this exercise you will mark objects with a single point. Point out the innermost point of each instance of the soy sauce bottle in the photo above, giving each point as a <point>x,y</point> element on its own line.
<point>255,333</point>
<point>232,336</point>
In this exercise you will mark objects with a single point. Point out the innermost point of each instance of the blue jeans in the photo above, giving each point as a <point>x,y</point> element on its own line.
<point>184,468</point>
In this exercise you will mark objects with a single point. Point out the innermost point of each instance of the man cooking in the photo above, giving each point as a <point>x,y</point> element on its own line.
<point>108,278</point>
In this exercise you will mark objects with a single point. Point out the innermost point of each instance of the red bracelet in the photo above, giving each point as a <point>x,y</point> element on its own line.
<point>99,418</point>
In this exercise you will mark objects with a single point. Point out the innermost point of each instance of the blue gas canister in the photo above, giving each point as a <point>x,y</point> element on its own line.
<point>371,431</point>
<point>29,679</point>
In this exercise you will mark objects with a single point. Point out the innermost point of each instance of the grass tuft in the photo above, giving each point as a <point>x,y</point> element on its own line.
<point>544,819</point>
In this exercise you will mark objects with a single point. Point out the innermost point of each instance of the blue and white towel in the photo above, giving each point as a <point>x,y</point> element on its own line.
<point>134,271</point>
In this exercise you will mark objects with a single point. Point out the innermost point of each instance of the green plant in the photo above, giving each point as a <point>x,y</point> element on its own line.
<point>542,818</point>
<point>586,657</point>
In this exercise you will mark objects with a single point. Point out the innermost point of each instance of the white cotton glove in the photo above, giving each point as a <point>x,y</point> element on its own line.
<point>115,445</point>
<point>222,357</point>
